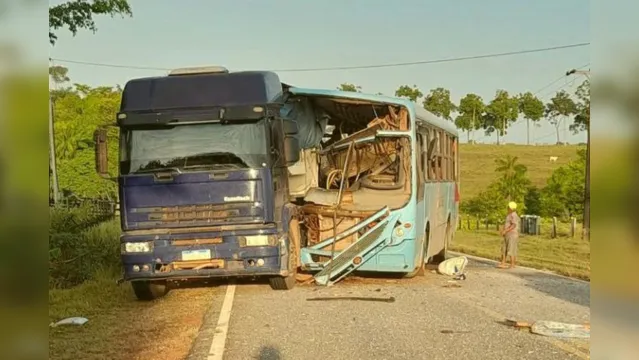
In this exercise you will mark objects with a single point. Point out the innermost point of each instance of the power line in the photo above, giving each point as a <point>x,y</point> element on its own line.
<point>370,66</point>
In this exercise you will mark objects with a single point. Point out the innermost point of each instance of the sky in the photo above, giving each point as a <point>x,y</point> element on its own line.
<point>288,34</point>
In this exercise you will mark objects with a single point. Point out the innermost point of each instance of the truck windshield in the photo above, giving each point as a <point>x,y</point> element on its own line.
<point>194,147</point>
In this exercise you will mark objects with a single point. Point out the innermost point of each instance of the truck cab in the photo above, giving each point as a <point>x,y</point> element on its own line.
<point>203,178</point>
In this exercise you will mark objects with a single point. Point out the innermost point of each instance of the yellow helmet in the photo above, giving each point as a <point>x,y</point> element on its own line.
<point>512,205</point>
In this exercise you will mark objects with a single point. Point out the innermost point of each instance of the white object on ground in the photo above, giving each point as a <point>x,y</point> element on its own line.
<point>453,266</point>
<point>71,321</point>
<point>561,330</point>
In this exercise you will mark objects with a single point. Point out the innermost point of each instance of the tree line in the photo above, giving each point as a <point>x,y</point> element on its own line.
<point>497,115</point>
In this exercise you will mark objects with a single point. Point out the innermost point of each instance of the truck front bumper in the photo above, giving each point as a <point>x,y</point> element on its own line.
<point>203,255</point>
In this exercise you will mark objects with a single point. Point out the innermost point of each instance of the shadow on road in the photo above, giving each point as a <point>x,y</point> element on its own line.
<point>576,292</point>
<point>269,353</point>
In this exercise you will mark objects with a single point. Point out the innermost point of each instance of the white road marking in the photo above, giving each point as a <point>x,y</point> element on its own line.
<point>221,330</point>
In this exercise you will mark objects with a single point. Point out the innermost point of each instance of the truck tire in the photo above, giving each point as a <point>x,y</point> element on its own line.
<point>149,290</point>
<point>282,282</point>
<point>288,282</point>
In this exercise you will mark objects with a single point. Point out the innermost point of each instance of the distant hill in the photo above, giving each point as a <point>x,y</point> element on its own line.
<point>478,163</point>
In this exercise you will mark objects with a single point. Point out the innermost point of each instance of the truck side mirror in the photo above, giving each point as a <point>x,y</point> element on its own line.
<point>101,155</point>
<point>291,142</point>
<point>291,150</point>
<point>290,127</point>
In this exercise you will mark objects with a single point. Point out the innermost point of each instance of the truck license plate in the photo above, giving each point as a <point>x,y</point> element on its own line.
<point>188,255</point>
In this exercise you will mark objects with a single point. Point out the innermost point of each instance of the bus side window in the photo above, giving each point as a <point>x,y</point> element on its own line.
<point>419,154</point>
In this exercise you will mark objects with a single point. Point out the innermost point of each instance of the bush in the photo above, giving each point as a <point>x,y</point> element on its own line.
<point>80,245</point>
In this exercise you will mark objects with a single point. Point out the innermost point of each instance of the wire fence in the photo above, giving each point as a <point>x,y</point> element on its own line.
<point>529,225</point>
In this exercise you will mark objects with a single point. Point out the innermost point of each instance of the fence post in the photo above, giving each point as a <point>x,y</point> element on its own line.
<point>553,233</point>
<point>573,226</point>
<point>538,226</point>
<point>486,223</point>
<point>477,224</point>
<point>468,223</point>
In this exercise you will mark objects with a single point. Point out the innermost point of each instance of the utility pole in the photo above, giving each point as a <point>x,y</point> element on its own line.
<point>52,156</point>
<point>586,233</point>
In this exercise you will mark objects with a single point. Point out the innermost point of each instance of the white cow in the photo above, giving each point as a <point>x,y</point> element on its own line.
<point>553,159</point>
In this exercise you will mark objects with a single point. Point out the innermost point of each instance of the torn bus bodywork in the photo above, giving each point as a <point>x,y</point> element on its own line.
<point>353,178</point>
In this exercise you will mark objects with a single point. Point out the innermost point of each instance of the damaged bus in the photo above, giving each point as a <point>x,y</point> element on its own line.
<point>377,185</point>
<point>235,174</point>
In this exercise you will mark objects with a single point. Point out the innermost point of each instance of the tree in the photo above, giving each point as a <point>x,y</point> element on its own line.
<point>412,93</point>
<point>79,110</point>
<point>501,111</point>
<point>581,120</point>
<point>59,74</point>
<point>513,182</point>
<point>563,195</point>
<point>532,109</point>
<point>78,14</point>
<point>471,108</point>
<point>560,107</point>
<point>349,87</point>
<point>438,102</point>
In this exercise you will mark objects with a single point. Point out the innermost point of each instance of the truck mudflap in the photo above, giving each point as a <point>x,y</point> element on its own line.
<point>370,242</point>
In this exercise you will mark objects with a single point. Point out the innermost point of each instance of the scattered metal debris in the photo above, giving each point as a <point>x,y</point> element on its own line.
<point>452,284</point>
<point>354,298</point>
<point>561,330</point>
<point>552,328</point>
<point>446,331</point>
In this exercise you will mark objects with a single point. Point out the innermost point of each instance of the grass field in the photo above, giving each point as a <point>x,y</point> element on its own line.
<point>477,163</point>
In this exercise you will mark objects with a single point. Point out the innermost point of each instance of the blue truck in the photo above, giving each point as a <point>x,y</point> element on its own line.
<point>236,174</point>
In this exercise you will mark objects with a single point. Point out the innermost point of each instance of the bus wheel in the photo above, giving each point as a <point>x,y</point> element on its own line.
<point>441,256</point>
<point>146,290</point>
<point>421,270</point>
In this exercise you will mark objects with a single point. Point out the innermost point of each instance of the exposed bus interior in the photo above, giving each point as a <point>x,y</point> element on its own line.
<point>352,169</point>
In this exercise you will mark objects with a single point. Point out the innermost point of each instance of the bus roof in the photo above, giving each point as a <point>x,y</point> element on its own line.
<point>425,117</point>
<point>422,117</point>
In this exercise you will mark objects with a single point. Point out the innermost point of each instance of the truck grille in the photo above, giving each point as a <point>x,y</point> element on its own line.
<point>194,214</point>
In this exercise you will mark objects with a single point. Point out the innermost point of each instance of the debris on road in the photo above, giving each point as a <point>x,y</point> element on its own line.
<point>552,328</point>
<point>562,330</point>
<point>452,284</point>
<point>520,325</point>
<point>70,321</point>
<point>353,298</point>
<point>453,266</point>
<point>455,332</point>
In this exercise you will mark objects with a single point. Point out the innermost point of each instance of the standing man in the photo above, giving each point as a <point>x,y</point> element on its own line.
<point>510,233</point>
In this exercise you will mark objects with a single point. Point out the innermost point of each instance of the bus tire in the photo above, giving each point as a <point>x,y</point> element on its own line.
<point>146,290</point>
<point>441,256</point>
<point>421,270</point>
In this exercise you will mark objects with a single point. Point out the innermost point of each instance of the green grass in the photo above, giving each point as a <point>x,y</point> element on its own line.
<point>477,163</point>
<point>563,255</point>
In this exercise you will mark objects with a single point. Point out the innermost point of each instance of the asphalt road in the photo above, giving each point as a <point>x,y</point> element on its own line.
<point>426,320</point>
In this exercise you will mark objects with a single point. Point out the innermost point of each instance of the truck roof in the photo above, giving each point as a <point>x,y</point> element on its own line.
<point>201,90</point>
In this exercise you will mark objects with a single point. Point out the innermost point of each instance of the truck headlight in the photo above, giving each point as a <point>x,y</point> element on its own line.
<point>137,247</point>
<point>259,240</point>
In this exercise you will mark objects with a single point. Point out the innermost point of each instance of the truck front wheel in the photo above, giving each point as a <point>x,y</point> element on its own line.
<point>149,290</point>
